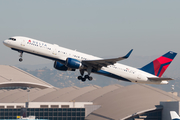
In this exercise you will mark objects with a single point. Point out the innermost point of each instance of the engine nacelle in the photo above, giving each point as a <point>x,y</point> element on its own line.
<point>73,63</point>
<point>59,66</point>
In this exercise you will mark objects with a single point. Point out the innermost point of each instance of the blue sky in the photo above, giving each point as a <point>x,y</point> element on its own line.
<point>102,28</point>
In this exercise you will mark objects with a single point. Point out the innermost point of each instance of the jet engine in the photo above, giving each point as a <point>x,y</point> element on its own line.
<point>59,66</point>
<point>73,63</point>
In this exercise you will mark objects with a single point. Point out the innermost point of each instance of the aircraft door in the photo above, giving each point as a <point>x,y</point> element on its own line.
<point>54,50</point>
<point>23,43</point>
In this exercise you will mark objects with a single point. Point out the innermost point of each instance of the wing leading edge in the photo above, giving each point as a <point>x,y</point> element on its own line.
<point>105,62</point>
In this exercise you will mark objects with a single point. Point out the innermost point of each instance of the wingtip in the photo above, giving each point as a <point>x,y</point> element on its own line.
<point>129,53</point>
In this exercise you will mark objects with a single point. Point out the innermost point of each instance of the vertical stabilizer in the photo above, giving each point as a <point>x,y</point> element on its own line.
<point>159,65</point>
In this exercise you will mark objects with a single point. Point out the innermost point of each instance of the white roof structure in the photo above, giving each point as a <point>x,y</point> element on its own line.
<point>11,76</point>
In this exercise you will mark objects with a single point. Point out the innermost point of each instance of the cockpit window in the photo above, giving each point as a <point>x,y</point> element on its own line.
<point>12,39</point>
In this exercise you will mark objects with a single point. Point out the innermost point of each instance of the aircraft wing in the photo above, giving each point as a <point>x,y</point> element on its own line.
<point>104,62</point>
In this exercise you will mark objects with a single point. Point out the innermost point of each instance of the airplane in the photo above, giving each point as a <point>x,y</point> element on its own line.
<point>174,115</point>
<point>71,60</point>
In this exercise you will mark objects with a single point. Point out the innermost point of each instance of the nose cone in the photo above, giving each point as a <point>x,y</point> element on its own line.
<point>6,42</point>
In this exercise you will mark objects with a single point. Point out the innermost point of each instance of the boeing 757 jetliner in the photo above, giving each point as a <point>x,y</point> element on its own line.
<point>70,60</point>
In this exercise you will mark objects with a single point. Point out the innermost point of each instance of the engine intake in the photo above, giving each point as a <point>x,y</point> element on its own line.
<point>73,63</point>
<point>59,66</point>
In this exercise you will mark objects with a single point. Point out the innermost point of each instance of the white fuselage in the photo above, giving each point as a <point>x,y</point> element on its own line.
<point>55,52</point>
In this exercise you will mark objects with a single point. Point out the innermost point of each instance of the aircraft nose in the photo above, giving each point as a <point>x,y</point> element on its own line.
<point>5,42</point>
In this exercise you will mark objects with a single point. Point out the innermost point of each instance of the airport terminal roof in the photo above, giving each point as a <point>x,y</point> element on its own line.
<point>11,76</point>
<point>116,101</point>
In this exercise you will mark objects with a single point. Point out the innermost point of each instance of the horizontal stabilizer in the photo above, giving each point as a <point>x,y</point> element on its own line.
<point>159,79</point>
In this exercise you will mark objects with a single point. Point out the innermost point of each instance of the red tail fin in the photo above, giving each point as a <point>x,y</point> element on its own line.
<point>159,65</point>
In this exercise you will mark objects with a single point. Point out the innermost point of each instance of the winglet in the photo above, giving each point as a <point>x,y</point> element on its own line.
<point>129,53</point>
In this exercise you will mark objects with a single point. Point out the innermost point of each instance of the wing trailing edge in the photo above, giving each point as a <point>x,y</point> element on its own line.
<point>105,62</point>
